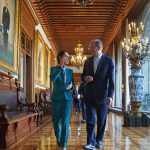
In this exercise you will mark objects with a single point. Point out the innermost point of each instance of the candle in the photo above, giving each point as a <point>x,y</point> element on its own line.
<point>137,30</point>
<point>146,41</point>
<point>122,44</point>
<point>129,28</point>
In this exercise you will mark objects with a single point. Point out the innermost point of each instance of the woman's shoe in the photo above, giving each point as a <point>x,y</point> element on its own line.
<point>58,143</point>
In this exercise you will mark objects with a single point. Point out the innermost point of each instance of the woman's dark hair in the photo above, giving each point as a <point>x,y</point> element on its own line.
<point>60,54</point>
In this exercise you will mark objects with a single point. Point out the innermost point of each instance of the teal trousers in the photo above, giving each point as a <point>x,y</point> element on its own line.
<point>61,111</point>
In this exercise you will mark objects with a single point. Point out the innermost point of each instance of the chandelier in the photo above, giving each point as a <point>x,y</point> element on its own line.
<point>82,3</point>
<point>79,59</point>
<point>135,48</point>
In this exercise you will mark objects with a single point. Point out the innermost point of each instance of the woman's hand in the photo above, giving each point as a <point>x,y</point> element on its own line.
<point>69,86</point>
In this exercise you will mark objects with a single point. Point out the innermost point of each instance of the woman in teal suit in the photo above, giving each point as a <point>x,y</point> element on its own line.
<point>63,82</point>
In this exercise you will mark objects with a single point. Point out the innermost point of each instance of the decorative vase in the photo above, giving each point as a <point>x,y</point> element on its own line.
<point>136,90</point>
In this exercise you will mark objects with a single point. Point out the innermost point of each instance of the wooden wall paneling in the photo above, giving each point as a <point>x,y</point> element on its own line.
<point>28,21</point>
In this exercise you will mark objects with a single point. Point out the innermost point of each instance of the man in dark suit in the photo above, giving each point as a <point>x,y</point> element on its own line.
<point>98,74</point>
<point>6,25</point>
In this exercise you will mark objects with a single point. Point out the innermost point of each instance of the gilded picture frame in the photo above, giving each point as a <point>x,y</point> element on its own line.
<point>39,58</point>
<point>10,36</point>
<point>47,66</point>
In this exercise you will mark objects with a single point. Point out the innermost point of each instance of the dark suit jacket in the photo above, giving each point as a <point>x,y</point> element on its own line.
<point>102,85</point>
<point>6,19</point>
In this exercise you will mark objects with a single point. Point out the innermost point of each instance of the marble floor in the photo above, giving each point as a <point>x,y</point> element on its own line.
<point>117,137</point>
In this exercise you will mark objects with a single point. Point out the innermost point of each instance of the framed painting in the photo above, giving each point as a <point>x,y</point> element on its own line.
<point>47,66</point>
<point>9,34</point>
<point>39,58</point>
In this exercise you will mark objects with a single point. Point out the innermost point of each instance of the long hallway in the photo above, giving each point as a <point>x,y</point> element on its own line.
<point>103,44</point>
<point>117,137</point>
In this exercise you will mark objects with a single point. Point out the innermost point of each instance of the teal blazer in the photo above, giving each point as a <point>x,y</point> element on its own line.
<point>59,87</point>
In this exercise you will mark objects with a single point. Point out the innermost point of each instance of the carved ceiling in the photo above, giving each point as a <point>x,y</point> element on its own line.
<point>64,23</point>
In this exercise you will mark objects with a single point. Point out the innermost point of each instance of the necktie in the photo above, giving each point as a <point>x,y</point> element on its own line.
<point>76,93</point>
<point>64,75</point>
<point>96,61</point>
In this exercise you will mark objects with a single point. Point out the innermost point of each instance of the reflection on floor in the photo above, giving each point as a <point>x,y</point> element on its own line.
<point>117,137</point>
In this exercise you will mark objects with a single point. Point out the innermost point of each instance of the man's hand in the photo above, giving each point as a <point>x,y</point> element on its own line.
<point>69,86</point>
<point>1,28</point>
<point>88,79</point>
<point>109,102</point>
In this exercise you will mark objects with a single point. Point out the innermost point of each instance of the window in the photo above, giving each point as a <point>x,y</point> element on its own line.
<point>25,51</point>
<point>146,70</point>
<point>28,46</point>
<point>22,40</point>
<point>22,70</point>
<point>26,43</point>
<point>118,77</point>
<point>146,73</point>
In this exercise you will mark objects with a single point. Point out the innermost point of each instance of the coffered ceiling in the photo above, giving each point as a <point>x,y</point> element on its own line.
<point>65,23</point>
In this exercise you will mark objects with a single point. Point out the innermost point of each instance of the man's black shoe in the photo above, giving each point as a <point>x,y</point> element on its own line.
<point>99,145</point>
